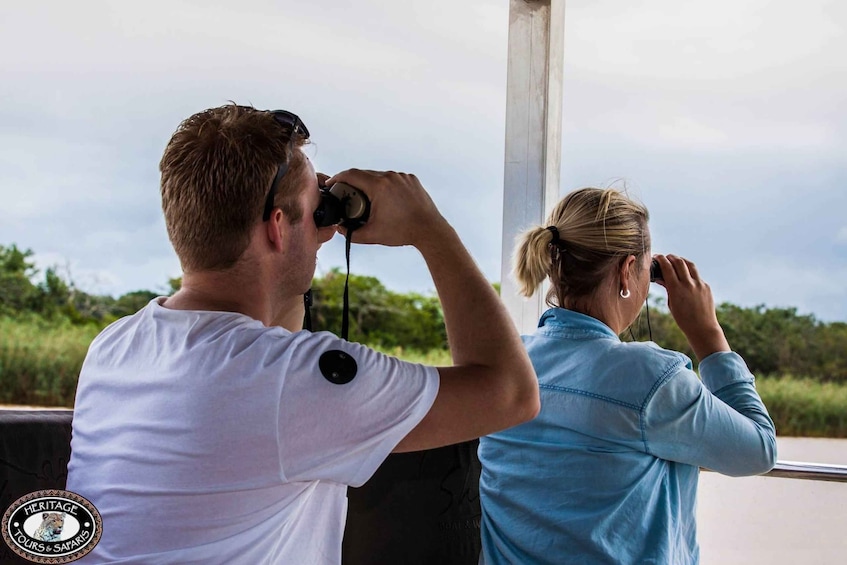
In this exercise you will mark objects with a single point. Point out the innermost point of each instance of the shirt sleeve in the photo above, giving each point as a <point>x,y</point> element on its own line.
<point>720,423</point>
<point>343,432</point>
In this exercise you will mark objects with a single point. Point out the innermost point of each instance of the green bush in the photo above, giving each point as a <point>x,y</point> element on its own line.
<point>377,315</point>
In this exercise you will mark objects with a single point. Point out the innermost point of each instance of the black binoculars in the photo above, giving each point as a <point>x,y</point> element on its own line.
<point>655,271</point>
<point>342,204</point>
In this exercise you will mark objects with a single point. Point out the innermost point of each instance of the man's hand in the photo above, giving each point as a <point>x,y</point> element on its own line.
<point>402,213</point>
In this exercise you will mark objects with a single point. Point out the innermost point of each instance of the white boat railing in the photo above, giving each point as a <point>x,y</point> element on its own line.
<point>806,471</point>
<point>809,471</point>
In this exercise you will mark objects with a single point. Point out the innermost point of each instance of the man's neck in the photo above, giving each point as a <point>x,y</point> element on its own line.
<point>227,292</point>
<point>218,292</point>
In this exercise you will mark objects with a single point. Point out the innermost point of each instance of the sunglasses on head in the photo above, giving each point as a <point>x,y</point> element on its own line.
<point>295,126</point>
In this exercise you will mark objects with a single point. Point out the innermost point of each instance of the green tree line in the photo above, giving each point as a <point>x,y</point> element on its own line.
<point>377,316</point>
<point>773,341</point>
<point>55,298</point>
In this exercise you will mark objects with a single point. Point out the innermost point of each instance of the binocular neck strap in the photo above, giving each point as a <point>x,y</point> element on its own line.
<point>307,318</point>
<point>345,313</point>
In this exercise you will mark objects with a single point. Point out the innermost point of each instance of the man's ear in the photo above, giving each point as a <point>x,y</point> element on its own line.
<point>273,229</point>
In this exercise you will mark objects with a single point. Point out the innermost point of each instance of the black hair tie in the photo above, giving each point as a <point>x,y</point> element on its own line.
<point>555,231</point>
<point>556,244</point>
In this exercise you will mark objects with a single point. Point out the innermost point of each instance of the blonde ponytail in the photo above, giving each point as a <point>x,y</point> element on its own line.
<point>596,228</point>
<point>531,259</point>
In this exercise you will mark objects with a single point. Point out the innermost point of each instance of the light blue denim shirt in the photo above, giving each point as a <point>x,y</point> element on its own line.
<point>607,472</point>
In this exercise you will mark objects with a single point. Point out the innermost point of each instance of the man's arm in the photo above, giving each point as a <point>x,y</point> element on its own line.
<point>492,384</point>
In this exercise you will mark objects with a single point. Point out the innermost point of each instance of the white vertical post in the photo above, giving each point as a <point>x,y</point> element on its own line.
<point>533,135</point>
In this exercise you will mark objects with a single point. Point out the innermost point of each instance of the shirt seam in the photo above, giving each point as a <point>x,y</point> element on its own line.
<point>746,381</point>
<point>590,395</point>
<point>576,335</point>
<point>642,415</point>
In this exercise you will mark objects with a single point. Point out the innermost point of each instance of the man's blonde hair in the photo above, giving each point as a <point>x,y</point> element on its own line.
<point>216,173</point>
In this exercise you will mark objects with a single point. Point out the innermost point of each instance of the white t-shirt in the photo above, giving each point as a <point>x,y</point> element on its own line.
<point>206,437</point>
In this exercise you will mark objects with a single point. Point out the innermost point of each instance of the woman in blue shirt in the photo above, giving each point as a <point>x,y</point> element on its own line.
<point>607,472</point>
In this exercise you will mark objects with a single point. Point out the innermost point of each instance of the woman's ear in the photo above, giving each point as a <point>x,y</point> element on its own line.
<point>627,269</point>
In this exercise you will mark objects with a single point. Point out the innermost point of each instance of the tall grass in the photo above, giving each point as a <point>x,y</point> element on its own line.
<point>433,357</point>
<point>40,360</point>
<point>799,406</point>
<point>804,407</point>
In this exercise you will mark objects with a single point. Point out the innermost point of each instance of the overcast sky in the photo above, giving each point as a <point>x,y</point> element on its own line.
<point>726,118</point>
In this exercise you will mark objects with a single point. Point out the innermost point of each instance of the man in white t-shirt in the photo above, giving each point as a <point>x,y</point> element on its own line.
<point>208,428</point>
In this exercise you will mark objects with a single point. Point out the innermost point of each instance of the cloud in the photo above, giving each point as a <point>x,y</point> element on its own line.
<point>727,118</point>
<point>685,41</point>
<point>689,132</point>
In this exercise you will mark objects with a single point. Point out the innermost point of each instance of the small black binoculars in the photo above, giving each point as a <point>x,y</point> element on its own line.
<point>655,271</point>
<point>342,204</point>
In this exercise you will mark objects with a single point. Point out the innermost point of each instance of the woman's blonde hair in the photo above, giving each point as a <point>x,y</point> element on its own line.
<point>595,228</point>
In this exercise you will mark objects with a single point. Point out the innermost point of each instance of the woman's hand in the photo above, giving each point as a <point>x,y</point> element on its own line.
<point>692,305</point>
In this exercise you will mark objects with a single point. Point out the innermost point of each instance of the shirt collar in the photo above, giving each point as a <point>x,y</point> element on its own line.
<point>559,321</point>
